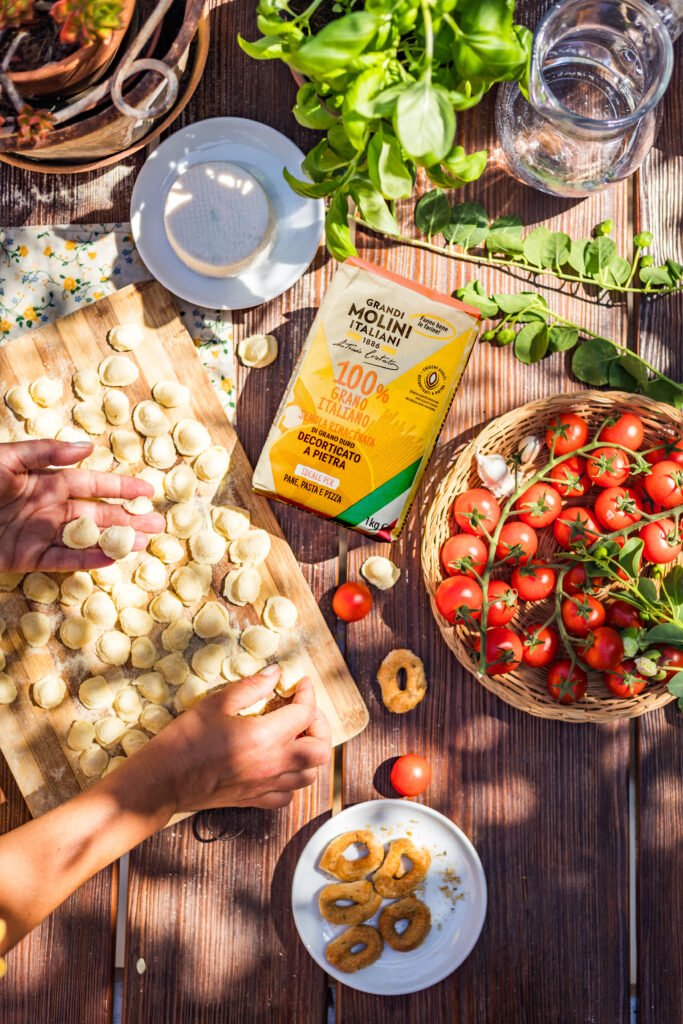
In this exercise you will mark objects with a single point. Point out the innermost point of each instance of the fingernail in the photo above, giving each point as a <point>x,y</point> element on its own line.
<point>270,670</point>
<point>81,444</point>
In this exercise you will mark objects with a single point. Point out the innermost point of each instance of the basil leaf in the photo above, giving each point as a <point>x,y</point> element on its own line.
<point>555,249</point>
<point>534,243</point>
<point>662,391</point>
<point>309,110</point>
<point>424,121</point>
<point>474,295</point>
<point>648,590</point>
<point>357,108</point>
<point>561,339</point>
<point>518,301</point>
<point>599,254</point>
<point>373,206</point>
<point>658,276</point>
<point>666,633</point>
<point>465,166</point>
<point>672,586</point>
<point>630,556</point>
<point>335,44</point>
<point>592,360</point>
<point>386,166</point>
<point>634,366</point>
<point>531,343</point>
<point>675,270</point>
<point>675,685</point>
<point>577,255</point>
<point>310,189</point>
<point>505,235</point>
<point>266,48</point>
<point>621,379</point>
<point>468,225</point>
<point>337,230</point>
<point>618,271</point>
<point>432,212</point>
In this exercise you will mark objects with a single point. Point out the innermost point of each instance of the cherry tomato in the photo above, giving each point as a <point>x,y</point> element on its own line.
<point>627,430</point>
<point>621,615</point>
<point>534,581</point>
<point>566,683</point>
<point>608,467</point>
<point>664,484</point>
<point>570,478</point>
<point>617,507</point>
<point>662,541</point>
<point>540,645</point>
<point>603,649</point>
<point>476,511</point>
<point>671,660</point>
<point>517,542</point>
<point>624,680</point>
<point>566,433</point>
<point>577,582</point>
<point>575,527</point>
<point>672,451</point>
<point>502,603</point>
<point>411,774</point>
<point>539,506</point>
<point>459,599</point>
<point>351,601</point>
<point>464,554</point>
<point>503,651</point>
<point>646,502</point>
<point>581,614</point>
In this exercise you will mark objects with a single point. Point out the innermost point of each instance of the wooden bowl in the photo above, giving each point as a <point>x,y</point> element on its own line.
<point>525,687</point>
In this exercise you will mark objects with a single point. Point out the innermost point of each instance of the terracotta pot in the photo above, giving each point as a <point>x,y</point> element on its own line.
<point>62,77</point>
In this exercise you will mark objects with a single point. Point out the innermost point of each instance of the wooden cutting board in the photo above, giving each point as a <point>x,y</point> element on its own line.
<point>32,739</point>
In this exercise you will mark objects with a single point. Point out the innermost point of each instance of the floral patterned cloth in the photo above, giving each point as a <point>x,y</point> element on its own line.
<point>47,272</point>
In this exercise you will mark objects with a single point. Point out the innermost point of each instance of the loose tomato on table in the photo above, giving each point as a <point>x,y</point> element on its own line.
<point>608,467</point>
<point>662,542</point>
<point>664,484</point>
<point>517,542</point>
<point>624,680</point>
<point>540,645</point>
<point>627,430</point>
<point>577,581</point>
<point>351,602</point>
<point>566,433</point>
<point>582,614</point>
<point>570,478</point>
<point>622,615</point>
<point>459,599</point>
<point>476,511</point>
<point>533,581</point>
<point>566,683</point>
<point>603,649</point>
<point>618,507</point>
<point>574,527</point>
<point>503,603</point>
<point>539,506</point>
<point>503,651</point>
<point>464,554</point>
<point>411,774</point>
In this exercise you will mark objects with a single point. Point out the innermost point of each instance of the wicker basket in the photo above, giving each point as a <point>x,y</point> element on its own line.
<point>525,688</point>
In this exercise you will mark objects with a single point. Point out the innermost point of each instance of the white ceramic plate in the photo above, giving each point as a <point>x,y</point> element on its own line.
<point>457,913</point>
<point>262,151</point>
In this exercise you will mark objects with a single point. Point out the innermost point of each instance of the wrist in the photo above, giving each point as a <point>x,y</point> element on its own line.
<point>144,788</point>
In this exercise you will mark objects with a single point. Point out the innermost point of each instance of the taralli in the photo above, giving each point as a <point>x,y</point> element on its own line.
<point>335,863</point>
<point>419,918</point>
<point>397,700</point>
<point>365,902</point>
<point>340,953</point>
<point>391,879</point>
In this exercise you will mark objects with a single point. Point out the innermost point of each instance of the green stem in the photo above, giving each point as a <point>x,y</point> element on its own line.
<point>429,37</point>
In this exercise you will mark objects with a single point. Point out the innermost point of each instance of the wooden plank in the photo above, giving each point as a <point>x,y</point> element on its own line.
<point>660,735</point>
<point>544,802</point>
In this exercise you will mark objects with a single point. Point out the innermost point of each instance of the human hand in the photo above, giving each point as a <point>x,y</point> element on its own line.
<point>211,757</point>
<point>36,502</point>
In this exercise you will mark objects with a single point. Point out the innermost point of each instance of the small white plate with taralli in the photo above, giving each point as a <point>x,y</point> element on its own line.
<point>441,888</point>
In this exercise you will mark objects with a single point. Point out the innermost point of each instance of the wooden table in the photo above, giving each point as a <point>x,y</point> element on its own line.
<point>580,828</point>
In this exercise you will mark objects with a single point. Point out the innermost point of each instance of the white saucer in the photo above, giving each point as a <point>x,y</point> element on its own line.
<point>262,151</point>
<point>458,910</point>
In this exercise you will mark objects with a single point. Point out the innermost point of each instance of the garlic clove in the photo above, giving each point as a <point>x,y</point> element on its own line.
<point>495,474</point>
<point>529,449</point>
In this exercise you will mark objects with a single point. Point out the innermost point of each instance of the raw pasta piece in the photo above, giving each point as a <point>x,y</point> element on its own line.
<point>190,437</point>
<point>46,390</point>
<point>132,740</point>
<point>93,761</point>
<point>167,548</point>
<point>89,415</point>
<point>100,459</point>
<point>149,420</point>
<point>36,627</point>
<point>156,478</point>
<point>279,614</point>
<point>117,371</point>
<point>3,660</point>
<point>19,400</point>
<point>259,642</point>
<point>241,664</point>
<point>183,519</point>
<point>125,337</point>
<point>117,541</point>
<point>73,434</point>
<point>127,704</point>
<point>8,689</point>
<point>81,533</point>
<point>39,587</point>
<point>113,648</point>
<point>81,735</point>
<point>207,661</point>
<point>155,717</point>
<point>187,585</point>
<point>139,506</point>
<point>153,686</point>
<point>107,577</point>
<point>231,521</point>
<point>251,548</point>
<point>211,620</point>
<point>242,586</point>
<point>136,622</point>
<point>45,423</point>
<point>49,692</point>
<point>180,483</point>
<point>255,709</point>
<point>129,595</point>
<point>166,607</point>
<point>114,763</point>
<point>151,574</point>
<point>126,445</point>
<point>143,652</point>
<point>174,668</point>
<point>10,580</point>
<point>380,572</point>
<point>76,587</point>
<point>176,637</point>
<point>96,694</point>
<point>258,350</point>
<point>101,610</point>
<point>159,452</point>
<point>77,632</point>
<point>86,384</point>
<point>213,463</point>
<point>108,731</point>
<point>207,547</point>
<point>116,407</point>
<point>170,393</point>
<point>192,691</point>
<point>292,670</point>
<point>204,572</point>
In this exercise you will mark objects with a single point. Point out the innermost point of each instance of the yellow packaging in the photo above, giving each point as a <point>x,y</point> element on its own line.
<point>367,400</point>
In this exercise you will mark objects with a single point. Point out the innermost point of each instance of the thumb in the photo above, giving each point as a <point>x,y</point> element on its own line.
<point>248,691</point>
<point>41,454</point>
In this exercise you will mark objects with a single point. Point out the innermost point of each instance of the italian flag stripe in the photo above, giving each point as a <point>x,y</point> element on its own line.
<point>380,497</point>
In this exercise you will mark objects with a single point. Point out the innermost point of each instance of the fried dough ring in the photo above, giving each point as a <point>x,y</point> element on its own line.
<point>366,902</point>
<point>397,700</point>
<point>335,863</point>
<point>339,953</point>
<point>391,880</point>
<point>419,918</point>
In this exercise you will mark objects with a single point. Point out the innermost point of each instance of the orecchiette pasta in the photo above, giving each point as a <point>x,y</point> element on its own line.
<point>170,393</point>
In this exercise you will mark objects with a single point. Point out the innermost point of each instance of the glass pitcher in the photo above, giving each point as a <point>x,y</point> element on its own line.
<point>598,70</point>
